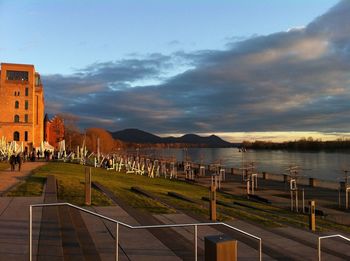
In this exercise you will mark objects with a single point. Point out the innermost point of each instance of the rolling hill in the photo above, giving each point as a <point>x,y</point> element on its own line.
<point>139,136</point>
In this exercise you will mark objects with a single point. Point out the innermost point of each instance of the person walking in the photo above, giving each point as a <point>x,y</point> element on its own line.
<point>19,161</point>
<point>12,162</point>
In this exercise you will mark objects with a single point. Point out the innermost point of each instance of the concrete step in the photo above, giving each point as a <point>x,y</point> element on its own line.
<point>63,233</point>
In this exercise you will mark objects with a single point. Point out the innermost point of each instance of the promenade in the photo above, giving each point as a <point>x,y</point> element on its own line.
<point>9,178</point>
<point>61,233</point>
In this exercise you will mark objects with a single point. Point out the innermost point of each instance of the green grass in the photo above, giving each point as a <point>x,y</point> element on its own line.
<point>71,189</point>
<point>4,165</point>
<point>32,187</point>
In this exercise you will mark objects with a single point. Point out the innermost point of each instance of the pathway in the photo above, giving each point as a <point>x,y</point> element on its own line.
<point>9,179</point>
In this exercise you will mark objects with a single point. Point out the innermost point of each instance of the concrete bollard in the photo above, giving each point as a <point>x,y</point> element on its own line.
<point>220,247</point>
<point>88,186</point>
<point>312,218</point>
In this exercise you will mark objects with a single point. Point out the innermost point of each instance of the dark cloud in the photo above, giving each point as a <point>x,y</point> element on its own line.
<point>295,80</point>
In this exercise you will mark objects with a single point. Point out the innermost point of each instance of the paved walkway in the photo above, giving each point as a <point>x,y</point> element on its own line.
<point>9,179</point>
<point>14,227</point>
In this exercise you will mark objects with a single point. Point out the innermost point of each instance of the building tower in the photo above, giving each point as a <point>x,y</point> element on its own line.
<point>21,105</point>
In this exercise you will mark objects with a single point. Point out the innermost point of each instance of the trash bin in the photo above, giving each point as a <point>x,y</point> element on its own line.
<point>220,248</point>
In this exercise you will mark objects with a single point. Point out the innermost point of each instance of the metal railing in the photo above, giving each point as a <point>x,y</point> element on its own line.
<point>324,237</point>
<point>195,225</point>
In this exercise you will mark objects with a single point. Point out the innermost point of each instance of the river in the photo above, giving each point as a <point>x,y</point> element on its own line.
<point>321,165</point>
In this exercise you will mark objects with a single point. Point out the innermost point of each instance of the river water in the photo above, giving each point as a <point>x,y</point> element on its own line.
<point>321,165</point>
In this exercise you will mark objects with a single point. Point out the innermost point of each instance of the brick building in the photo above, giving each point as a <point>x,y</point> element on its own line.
<point>21,104</point>
<point>53,130</point>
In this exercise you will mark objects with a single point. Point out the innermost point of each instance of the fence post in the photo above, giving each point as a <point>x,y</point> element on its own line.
<point>312,221</point>
<point>88,187</point>
<point>212,204</point>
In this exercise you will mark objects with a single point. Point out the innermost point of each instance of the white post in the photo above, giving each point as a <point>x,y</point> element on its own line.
<point>248,187</point>
<point>98,149</point>
<point>319,249</point>
<point>260,250</point>
<point>296,201</point>
<point>30,233</point>
<point>303,201</point>
<point>195,243</point>
<point>117,242</point>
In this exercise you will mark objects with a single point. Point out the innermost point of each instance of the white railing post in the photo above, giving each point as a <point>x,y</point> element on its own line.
<point>117,243</point>
<point>30,233</point>
<point>195,243</point>
<point>260,249</point>
<point>319,249</point>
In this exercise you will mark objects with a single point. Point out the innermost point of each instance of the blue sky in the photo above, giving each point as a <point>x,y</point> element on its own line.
<point>257,69</point>
<point>63,36</point>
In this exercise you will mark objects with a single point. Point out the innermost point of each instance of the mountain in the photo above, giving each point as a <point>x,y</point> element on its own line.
<point>136,136</point>
<point>139,136</point>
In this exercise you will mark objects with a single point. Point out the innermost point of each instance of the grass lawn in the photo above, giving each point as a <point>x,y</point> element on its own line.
<point>71,189</point>
<point>4,165</point>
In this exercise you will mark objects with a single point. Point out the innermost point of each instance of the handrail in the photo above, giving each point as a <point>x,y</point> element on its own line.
<point>325,237</point>
<point>132,227</point>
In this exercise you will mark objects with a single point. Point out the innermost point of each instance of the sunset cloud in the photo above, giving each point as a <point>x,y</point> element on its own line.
<point>297,80</point>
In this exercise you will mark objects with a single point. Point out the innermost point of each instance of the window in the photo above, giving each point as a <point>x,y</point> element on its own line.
<point>27,91</point>
<point>26,118</point>
<point>26,105</point>
<point>17,76</point>
<point>26,136</point>
<point>16,104</point>
<point>16,136</point>
<point>16,118</point>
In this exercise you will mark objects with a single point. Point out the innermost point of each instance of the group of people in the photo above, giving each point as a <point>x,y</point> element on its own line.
<point>16,160</point>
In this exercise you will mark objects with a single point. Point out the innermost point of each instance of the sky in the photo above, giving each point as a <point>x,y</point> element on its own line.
<point>271,70</point>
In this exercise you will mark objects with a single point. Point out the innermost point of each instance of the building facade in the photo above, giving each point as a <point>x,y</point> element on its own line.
<point>21,105</point>
<point>53,130</point>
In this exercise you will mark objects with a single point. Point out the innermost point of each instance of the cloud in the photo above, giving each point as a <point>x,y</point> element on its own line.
<point>295,80</point>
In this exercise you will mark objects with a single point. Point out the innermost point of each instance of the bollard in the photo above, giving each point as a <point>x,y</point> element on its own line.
<point>212,206</point>
<point>220,248</point>
<point>88,186</point>
<point>342,185</point>
<point>265,175</point>
<point>312,219</point>
<point>312,182</point>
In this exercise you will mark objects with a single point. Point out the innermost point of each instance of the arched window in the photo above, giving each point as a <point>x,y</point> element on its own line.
<point>16,136</point>
<point>16,104</point>
<point>16,118</point>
